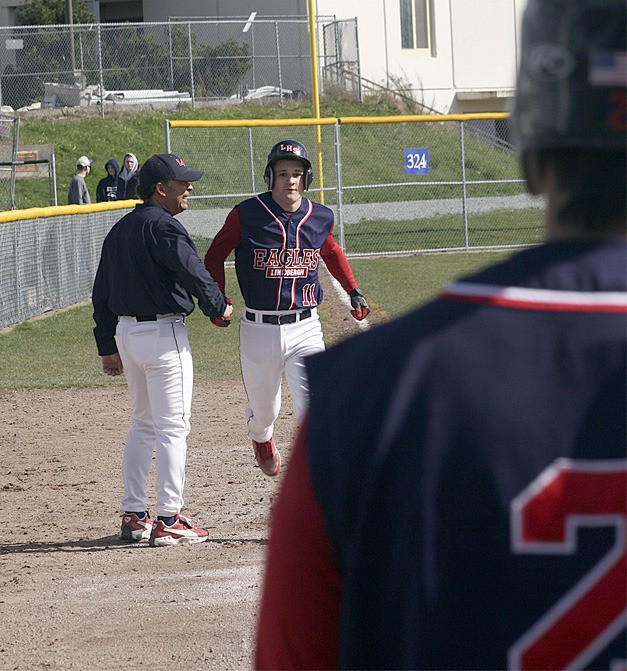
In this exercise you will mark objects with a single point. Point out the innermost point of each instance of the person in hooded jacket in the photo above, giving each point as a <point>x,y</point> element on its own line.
<point>107,188</point>
<point>127,180</point>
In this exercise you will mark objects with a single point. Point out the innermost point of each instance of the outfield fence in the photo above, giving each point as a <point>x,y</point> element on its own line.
<point>397,185</point>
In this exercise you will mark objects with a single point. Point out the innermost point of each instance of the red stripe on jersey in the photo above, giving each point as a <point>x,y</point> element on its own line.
<point>523,298</point>
<point>283,234</point>
<point>298,230</point>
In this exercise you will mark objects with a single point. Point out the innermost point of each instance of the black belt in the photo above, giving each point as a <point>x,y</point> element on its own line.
<point>280,319</point>
<point>153,318</point>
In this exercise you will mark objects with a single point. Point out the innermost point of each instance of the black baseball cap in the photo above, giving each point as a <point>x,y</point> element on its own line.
<point>163,167</point>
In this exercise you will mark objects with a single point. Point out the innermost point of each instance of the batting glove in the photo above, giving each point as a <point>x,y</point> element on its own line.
<point>223,322</point>
<point>358,303</point>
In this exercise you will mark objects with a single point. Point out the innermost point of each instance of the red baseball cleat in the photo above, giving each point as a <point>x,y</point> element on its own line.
<point>268,457</point>
<point>135,528</point>
<point>182,531</point>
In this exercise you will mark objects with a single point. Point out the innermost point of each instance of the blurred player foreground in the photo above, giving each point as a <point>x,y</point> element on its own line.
<point>471,514</point>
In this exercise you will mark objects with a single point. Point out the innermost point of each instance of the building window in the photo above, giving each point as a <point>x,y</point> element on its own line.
<point>415,24</point>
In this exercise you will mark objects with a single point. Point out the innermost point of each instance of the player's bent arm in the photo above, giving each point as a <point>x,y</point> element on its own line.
<point>224,242</point>
<point>337,263</point>
<point>338,266</point>
<point>299,615</point>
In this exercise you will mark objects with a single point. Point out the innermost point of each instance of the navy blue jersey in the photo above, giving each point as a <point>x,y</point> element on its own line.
<point>278,257</point>
<point>468,461</point>
<point>277,254</point>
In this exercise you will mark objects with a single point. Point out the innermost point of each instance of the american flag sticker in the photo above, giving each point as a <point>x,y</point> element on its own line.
<point>608,68</point>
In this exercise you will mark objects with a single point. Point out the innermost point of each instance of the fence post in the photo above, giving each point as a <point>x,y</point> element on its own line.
<point>166,128</point>
<point>171,55</point>
<point>338,179</point>
<point>52,168</point>
<point>278,59</point>
<point>252,160</point>
<point>252,48</point>
<point>100,73</point>
<point>191,63</point>
<point>16,144</point>
<point>464,203</point>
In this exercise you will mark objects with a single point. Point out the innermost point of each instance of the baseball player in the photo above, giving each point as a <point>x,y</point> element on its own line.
<point>472,515</point>
<point>148,274</point>
<point>279,238</point>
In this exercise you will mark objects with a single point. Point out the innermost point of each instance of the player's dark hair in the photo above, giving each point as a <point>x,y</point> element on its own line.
<point>594,179</point>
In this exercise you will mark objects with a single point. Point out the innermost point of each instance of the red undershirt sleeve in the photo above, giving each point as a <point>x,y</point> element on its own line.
<point>225,241</point>
<point>337,263</point>
<point>299,616</point>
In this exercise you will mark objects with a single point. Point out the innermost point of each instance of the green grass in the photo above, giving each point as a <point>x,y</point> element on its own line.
<point>501,227</point>
<point>84,132</point>
<point>371,154</point>
<point>395,286</point>
<point>59,350</point>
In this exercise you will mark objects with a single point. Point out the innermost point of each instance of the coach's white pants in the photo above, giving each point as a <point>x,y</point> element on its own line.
<point>266,351</point>
<point>158,367</point>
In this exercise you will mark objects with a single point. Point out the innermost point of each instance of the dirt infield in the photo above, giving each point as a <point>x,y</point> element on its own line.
<point>72,596</point>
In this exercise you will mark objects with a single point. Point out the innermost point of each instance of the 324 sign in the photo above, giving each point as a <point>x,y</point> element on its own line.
<point>417,162</point>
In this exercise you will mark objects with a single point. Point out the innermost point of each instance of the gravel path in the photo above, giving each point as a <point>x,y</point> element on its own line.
<point>206,223</point>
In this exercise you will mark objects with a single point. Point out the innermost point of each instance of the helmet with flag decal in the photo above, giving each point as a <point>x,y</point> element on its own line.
<point>571,81</point>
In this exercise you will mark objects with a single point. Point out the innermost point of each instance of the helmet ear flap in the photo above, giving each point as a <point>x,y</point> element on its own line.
<point>308,178</point>
<point>268,176</point>
<point>532,171</point>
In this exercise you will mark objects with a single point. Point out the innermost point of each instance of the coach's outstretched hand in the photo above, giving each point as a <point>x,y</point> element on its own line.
<point>225,319</point>
<point>358,303</point>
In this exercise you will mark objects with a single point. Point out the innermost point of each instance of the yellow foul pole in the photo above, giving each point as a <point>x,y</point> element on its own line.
<point>315,92</point>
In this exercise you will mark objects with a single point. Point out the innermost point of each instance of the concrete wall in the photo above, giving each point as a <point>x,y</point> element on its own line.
<point>162,10</point>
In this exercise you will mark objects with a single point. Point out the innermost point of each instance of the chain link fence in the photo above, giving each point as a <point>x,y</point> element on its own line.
<point>113,64</point>
<point>9,126</point>
<point>50,258</point>
<point>23,166</point>
<point>396,184</point>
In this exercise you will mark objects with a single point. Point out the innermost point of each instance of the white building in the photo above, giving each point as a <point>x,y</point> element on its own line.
<point>461,54</point>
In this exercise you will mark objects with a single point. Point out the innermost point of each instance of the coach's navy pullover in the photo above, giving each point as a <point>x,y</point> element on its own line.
<point>149,266</point>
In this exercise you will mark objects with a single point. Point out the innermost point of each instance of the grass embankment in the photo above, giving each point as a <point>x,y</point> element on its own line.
<point>371,153</point>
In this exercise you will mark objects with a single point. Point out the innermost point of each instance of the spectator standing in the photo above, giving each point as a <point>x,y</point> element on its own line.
<point>107,188</point>
<point>279,237</point>
<point>78,193</point>
<point>457,497</point>
<point>148,274</point>
<point>127,180</point>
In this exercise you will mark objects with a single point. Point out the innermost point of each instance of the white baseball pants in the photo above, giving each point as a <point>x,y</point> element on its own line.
<point>158,367</point>
<point>266,351</point>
